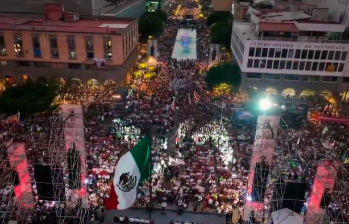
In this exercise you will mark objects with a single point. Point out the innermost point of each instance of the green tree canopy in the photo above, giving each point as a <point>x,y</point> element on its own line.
<point>217,17</point>
<point>159,14</point>
<point>224,73</point>
<point>28,98</point>
<point>150,25</point>
<point>221,33</point>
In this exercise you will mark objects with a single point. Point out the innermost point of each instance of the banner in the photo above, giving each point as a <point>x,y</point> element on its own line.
<point>13,118</point>
<point>74,136</point>
<point>330,119</point>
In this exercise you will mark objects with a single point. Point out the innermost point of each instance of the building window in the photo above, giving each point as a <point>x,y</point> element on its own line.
<point>337,55</point>
<point>330,55</point>
<point>292,77</point>
<point>310,78</point>
<point>271,52</point>
<point>254,75</point>
<point>284,53</point>
<point>278,52</point>
<point>18,45</point>
<point>340,67</point>
<point>314,66</point>
<point>344,56</point>
<point>304,54</point>
<point>108,55</point>
<point>324,55</point>
<point>288,64</point>
<point>89,48</point>
<point>251,52</point>
<point>317,55</point>
<point>265,52</point>
<point>2,46</point>
<point>23,63</point>
<point>295,65</point>
<point>345,79</point>
<point>57,65</point>
<point>249,63</point>
<point>71,47</point>
<point>74,66</point>
<point>36,46</point>
<point>39,64</point>
<point>330,79</point>
<point>301,65</point>
<point>272,76</point>
<point>276,64</point>
<point>311,54</point>
<point>308,66</point>
<point>282,64</point>
<point>270,64</point>
<point>321,66</point>
<point>54,47</point>
<point>256,63</point>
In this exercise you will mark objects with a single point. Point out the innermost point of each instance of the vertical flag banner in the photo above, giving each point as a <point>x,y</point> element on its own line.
<point>14,118</point>
<point>196,97</point>
<point>189,98</point>
<point>132,168</point>
<point>173,105</point>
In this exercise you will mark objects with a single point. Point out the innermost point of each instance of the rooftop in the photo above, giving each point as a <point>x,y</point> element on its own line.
<point>278,15</point>
<point>97,25</point>
<point>277,27</point>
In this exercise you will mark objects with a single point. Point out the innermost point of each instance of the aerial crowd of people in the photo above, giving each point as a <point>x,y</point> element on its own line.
<point>200,155</point>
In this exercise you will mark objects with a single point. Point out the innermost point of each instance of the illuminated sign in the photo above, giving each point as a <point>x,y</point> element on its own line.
<point>312,46</point>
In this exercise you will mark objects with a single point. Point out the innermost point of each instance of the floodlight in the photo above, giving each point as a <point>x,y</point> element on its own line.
<point>264,104</point>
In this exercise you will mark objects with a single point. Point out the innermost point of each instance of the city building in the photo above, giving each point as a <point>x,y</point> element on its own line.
<point>222,5</point>
<point>298,51</point>
<point>123,8</point>
<point>240,8</point>
<point>66,46</point>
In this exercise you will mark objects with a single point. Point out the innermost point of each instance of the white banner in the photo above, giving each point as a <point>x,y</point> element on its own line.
<point>72,116</point>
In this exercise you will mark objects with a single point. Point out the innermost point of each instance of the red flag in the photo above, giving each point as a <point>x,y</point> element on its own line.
<point>196,97</point>
<point>173,105</point>
<point>13,118</point>
<point>111,203</point>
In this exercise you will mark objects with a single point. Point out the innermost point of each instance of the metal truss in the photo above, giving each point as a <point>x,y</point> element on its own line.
<point>339,174</point>
<point>14,207</point>
<point>67,211</point>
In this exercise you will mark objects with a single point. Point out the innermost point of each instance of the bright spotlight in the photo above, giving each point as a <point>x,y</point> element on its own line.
<point>264,104</point>
<point>249,198</point>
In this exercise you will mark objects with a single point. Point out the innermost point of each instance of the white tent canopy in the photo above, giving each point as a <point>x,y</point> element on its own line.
<point>286,216</point>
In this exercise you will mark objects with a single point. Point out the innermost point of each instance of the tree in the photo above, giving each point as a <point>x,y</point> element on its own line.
<point>224,73</point>
<point>150,25</point>
<point>28,98</point>
<point>217,17</point>
<point>221,33</point>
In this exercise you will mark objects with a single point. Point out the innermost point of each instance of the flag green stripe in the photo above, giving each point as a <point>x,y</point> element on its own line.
<point>141,154</point>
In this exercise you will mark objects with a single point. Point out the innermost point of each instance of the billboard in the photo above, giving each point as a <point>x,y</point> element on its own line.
<point>72,116</point>
<point>152,6</point>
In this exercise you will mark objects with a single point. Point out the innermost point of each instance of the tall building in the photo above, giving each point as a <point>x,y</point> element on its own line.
<point>240,8</point>
<point>295,50</point>
<point>64,45</point>
<point>123,8</point>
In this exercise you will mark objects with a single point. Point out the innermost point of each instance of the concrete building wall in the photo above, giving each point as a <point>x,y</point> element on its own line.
<point>222,5</point>
<point>124,56</point>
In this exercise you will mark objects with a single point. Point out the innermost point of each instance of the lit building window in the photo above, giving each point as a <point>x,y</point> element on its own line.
<point>18,45</point>
<point>108,55</point>
<point>71,47</point>
<point>2,46</point>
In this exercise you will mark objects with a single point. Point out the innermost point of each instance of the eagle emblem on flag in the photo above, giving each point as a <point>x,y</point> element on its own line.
<point>127,182</point>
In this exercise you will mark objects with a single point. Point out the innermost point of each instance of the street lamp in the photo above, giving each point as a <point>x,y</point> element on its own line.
<point>264,104</point>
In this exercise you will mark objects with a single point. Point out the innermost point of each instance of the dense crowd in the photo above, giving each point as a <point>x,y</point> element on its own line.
<point>175,106</point>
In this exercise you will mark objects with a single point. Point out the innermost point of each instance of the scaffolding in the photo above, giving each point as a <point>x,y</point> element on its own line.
<point>17,201</point>
<point>68,209</point>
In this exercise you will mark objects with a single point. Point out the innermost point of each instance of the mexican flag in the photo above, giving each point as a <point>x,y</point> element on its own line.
<point>132,168</point>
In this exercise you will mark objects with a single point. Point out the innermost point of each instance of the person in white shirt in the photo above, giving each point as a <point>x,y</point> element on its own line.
<point>136,220</point>
<point>131,219</point>
<point>121,219</point>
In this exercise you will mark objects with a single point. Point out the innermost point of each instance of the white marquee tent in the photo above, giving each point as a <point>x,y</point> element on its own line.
<point>286,216</point>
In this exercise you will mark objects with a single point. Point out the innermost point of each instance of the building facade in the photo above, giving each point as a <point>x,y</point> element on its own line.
<point>240,8</point>
<point>292,52</point>
<point>222,5</point>
<point>94,51</point>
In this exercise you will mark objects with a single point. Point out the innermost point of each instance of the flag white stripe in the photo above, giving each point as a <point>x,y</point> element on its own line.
<point>126,164</point>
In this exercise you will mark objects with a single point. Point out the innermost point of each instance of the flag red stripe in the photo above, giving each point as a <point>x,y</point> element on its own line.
<point>112,202</point>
